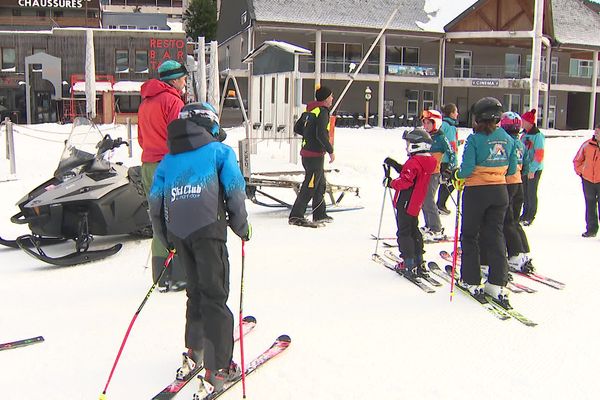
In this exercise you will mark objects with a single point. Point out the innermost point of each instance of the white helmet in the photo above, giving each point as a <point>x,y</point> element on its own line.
<point>417,141</point>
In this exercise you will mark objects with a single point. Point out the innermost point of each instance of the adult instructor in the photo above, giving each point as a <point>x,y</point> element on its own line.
<point>161,103</point>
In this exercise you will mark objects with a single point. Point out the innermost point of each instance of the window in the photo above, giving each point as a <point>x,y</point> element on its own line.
<point>141,61</point>
<point>580,68</point>
<point>91,14</point>
<point>512,65</point>
<point>122,61</point>
<point>153,27</point>
<point>462,64</point>
<point>412,103</point>
<point>58,14</point>
<point>127,103</point>
<point>8,59</point>
<point>512,102</point>
<point>553,68</point>
<point>112,27</point>
<point>428,100</point>
<point>244,18</point>
<point>40,13</point>
<point>339,56</point>
<point>402,55</point>
<point>127,27</point>
<point>227,57</point>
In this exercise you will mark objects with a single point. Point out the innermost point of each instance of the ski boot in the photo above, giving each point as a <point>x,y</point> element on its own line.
<point>190,361</point>
<point>474,290</point>
<point>498,293</point>
<point>214,381</point>
<point>407,267</point>
<point>521,262</point>
<point>422,269</point>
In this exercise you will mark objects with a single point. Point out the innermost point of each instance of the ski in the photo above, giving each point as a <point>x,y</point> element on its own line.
<point>388,244</point>
<point>389,254</point>
<point>278,347</point>
<point>498,313</point>
<point>540,279</point>
<point>509,309</point>
<point>375,237</point>
<point>377,258</point>
<point>514,287</point>
<point>21,343</point>
<point>171,390</point>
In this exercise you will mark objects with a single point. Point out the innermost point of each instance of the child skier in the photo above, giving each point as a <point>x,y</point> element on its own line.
<point>488,157</point>
<point>198,191</point>
<point>448,128</point>
<point>432,121</point>
<point>516,239</point>
<point>411,188</point>
<point>533,139</point>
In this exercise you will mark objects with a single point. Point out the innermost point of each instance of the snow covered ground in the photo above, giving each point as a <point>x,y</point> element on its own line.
<point>358,330</point>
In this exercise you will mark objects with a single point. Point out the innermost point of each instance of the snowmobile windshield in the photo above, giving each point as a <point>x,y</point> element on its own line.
<point>80,148</point>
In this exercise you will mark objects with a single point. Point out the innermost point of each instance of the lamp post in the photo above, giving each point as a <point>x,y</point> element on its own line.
<point>367,99</point>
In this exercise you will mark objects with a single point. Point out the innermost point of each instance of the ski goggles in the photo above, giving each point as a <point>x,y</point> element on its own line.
<point>200,113</point>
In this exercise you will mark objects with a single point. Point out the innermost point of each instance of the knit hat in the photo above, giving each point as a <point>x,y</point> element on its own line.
<point>322,93</point>
<point>529,116</point>
<point>171,69</point>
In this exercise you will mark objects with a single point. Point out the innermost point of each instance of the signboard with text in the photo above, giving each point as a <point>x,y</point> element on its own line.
<point>485,82</point>
<point>164,49</point>
<point>79,4</point>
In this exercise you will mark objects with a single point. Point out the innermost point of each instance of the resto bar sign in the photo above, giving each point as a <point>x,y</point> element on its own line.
<point>51,3</point>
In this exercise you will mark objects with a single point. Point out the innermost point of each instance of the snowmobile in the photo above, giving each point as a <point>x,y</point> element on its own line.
<point>88,195</point>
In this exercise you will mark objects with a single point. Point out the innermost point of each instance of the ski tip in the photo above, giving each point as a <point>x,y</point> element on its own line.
<point>284,338</point>
<point>249,318</point>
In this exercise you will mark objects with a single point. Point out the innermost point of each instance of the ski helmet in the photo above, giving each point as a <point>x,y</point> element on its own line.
<point>487,109</point>
<point>511,122</point>
<point>418,141</point>
<point>434,116</point>
<point>203,114</point>
<point>171,69</point>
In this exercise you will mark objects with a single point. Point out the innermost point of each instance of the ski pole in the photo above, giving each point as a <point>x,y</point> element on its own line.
<point>455,253</point>
<point>167,262</point>
<point>386,170</point>
<point>240,321</point>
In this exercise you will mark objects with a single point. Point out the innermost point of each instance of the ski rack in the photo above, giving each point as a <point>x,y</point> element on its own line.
<point>257,181</point>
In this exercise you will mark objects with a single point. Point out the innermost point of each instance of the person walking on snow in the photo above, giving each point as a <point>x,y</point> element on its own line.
<point>432,121</point>
<point>533,139</point>
<point>161,103</point>
<point>489,156</point>
<point>198,192</point>
<point>587,166</point>
<point>516,240</point>
<point>411,188</point>
<point>448,128</point>
<point>315,144</point>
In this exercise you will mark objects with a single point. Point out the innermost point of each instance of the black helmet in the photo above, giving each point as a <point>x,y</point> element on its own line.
<point>418,140</point>
<point>487,109</point>
<point>203,114</point>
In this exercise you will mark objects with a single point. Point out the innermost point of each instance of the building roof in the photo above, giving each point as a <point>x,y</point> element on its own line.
<point>338,13</point>
<point>575,23</point>
<point>287,47</point>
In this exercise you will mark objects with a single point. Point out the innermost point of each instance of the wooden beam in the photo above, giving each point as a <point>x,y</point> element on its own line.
<point>527,9</point>
<point>486,20</point>
<point>511,21</point>
<point>490,35</point>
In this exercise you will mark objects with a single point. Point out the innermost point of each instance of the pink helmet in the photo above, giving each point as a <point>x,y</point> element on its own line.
<point>511,122</point>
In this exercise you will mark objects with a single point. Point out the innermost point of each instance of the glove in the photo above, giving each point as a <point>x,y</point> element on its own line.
<point>387,182</point>
<point>390,162</point>
<point>446,172</point>
<point>248,234</point>
<point>458,183</point>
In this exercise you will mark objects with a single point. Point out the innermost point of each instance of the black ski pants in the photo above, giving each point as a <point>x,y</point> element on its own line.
<point>516,239</point>
<point>443,193</point>
<point>530,188</point>
<point>410,239</point>
<point>313,187</point>
<point>483,211</point>
<point>209,322</point>
<point>591,192</point>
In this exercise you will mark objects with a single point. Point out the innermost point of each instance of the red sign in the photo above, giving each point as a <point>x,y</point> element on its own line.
<point>164,49</point>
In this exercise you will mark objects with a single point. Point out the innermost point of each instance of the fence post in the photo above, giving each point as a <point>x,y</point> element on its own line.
<point>10,145</point>
<point>129,138</point>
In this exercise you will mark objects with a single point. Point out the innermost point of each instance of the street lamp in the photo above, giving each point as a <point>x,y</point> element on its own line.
<point>367,98</point>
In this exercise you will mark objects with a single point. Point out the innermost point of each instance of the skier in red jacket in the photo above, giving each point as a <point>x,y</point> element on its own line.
<point>161,103</point>
<point>411,189</point>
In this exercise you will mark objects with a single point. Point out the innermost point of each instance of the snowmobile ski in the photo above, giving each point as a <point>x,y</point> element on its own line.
<point>171,390</point>
<point>278,347</point>
<point>44,241</point>
<point>417,281</point>
<point>426,277</point>
<point>21,343</point>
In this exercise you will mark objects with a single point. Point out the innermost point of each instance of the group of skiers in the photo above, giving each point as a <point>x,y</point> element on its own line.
<point>498,168</point>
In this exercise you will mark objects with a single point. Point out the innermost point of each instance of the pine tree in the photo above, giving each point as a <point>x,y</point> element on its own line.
<point>201,19</point>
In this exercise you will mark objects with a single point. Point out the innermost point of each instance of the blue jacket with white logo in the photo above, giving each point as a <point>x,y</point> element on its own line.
<point>198,187</point>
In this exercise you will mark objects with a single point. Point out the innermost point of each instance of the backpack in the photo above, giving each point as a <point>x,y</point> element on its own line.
<point>304,122</point>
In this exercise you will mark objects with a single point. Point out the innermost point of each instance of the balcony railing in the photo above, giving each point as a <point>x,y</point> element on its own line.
<point>394,69</point>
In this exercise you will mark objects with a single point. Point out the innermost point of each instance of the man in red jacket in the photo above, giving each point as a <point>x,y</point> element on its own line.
<point>161,103</point>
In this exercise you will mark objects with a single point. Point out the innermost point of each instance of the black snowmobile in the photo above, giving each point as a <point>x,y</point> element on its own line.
<point>87,196</point>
